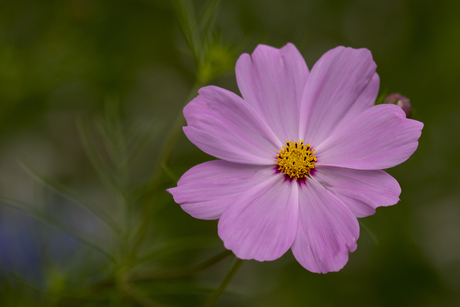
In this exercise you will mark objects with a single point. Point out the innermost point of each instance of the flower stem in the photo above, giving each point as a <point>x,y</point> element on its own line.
<point>162,275</point>
<point>216,294</point>
<point>133,294</point>
<point>181,273</point>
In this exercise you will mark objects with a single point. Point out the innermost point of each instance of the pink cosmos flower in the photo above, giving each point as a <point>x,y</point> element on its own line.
<point>300,155</point>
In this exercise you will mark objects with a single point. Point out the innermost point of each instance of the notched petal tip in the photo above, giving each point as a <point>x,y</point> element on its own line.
<point>342,84</point>
<point>272,81</point>
<point>362,191</point>
<point>378,138</point>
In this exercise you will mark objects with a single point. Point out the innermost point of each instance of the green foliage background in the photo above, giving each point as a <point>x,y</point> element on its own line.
<point>90,91</point>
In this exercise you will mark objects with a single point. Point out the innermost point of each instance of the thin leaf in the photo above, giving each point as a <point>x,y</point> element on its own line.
<point>182,272</point>
<point>170,173</point>
<point>71,195</point>
<point>373,236</point>
<point>62,295</point>
<point>381,97</point>
<point>137,141</point>
<point>207,17</point>
<point>186,17</point>
<point>180,245</point>
<point>114,147</point>
<point>95,158</point>
<point>41,217</point>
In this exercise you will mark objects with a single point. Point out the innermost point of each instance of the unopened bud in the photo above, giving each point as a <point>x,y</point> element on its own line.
<point>401,101</point>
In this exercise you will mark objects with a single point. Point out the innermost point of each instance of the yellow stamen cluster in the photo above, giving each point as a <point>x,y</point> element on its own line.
<point>296,159</point>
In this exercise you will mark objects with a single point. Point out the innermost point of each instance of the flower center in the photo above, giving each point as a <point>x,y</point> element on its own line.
<point>296,160</point>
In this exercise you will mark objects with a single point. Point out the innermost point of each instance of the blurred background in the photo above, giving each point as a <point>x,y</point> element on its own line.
<point>89,92</point>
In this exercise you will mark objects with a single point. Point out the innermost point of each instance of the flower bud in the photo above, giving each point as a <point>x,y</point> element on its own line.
<point>401,101</point>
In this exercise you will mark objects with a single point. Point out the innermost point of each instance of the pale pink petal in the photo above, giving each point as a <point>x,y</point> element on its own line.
<point>364,101</point>
<point>361,190</point>
<point>207,189</point>
<point>272,80</point>
<point>342,84</point>
<point>262,222</point>
<point>327,230</point>
<point>378,138</point>
<point>225,126</point>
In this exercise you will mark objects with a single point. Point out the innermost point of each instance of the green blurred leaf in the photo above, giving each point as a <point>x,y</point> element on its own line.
<point>218,59</point>
<point>72,195</point>
<point>188,26</point>
<point>207,18</point>
<point>373,236</point>
<point>381,97</point>
<point>95,156</point>
<point>170,173</point>
<point>53,223</point>
<point>179,245</point>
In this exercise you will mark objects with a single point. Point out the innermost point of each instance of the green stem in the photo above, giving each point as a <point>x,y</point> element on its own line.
<point>181,273</point>
<point>124,285</point>
<point>216,294</point>
<point>172,274</point>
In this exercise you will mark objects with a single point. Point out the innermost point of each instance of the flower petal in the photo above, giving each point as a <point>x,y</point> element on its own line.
<point>380,137</point>
<point>225,126</point>
<point>272,81</point>
<point>342,84</point>
<point>207,189</point>
<point>262,222</point>
<point>327,230</point>
<point>361,190</point>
